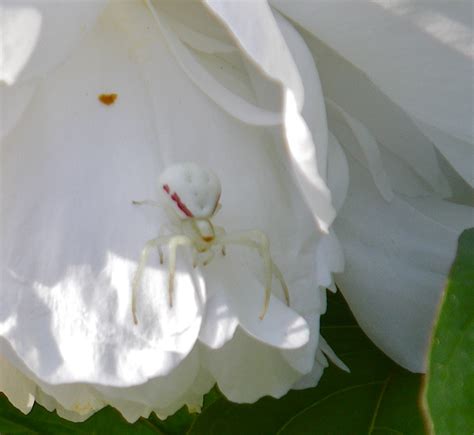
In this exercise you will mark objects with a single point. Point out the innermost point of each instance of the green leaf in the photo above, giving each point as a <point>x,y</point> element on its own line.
<point>377,397</point>
<point>449,389</point>
<point>41,421</point>
<point>177,424</point>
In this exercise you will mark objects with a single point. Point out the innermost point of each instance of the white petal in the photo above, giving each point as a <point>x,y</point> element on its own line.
<point>369,152</point>
<point>131,411</point>
<point>159,392</point>
<point>19,390</point>
<point>307,153</point>
<point>45,400</point>
<point>389,171</point>
<point>193,398</point>
<point>327,350</point>
<point>104,158</point>
<point>402,177</point>
<point>225,98</point>
<point>303,359</point>
<point>199,41</point>
<point>458,152</point>
<point>30,43</point>
<point>281,327</point>
<point>238,275</point>
<point>338,172</point>
<point>74,401</point>
<point>220,322</point>
<point>397,257</point>
<point>83,409</point>
<point>234,368</point>
<point>16,99</point>
<point>196,19</point>
<point>256,32</point>
<point>259,36</point>
<point>451,216</point>
<point>73,416</point>
<point>419,53</point>
<point>352,90</point>
<point>320,363</point>
<point>71,238</point>
<point>329,259</point>
<point>311,379</point>
<point>251,198</point>
<point>314,111</point>
<point>303,155</point>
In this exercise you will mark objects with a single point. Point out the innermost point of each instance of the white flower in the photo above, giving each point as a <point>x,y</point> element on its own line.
<point>397,80</point>
<point>232,86</point>
<point>71,246</point>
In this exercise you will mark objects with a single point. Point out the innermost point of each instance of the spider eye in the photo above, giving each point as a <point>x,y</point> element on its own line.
<point>193,191</point>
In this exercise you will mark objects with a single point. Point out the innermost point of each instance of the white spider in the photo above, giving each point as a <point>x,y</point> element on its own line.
<point>193,193</point>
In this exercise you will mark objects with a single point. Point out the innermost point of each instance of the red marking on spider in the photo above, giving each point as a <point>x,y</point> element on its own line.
<point>181,205</point>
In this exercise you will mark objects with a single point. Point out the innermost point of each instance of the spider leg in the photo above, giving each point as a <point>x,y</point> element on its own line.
<point>139,272</point>
<point>276,271</point>
<point>209,258</point>
<point>219,233</point>
<point>147,202</point>
<point>173,245</point>
<point>257,240</point>
<point>165,228</point>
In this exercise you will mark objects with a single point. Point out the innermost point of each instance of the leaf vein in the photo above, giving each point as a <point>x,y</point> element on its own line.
<point>328,396</point>
<point>389,429</point>
<point>379,402</point>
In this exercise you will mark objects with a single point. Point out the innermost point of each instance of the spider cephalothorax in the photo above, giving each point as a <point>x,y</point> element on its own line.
<point>193,193</point>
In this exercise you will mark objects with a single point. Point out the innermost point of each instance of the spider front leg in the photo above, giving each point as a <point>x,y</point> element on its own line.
<point>173,245</point>
<point>173,242</point>
<point>259,241</point>
<point>147,202</point>
<point>165,230</point>
<point>141,264</point>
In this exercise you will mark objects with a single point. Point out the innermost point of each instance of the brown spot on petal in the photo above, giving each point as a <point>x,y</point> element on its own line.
<point>107,99</point>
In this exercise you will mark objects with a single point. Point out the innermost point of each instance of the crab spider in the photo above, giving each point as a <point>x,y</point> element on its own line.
<point>192,194</point>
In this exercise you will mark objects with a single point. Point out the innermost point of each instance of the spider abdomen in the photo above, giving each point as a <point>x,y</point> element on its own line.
<point>191,190</point>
